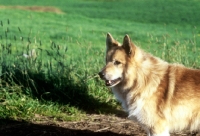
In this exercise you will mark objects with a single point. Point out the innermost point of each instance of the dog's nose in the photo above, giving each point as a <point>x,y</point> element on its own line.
<point>101,74</point>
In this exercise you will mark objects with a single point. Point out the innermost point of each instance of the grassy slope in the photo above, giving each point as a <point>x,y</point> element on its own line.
<point>137,18</point>
<point>89,21</point>
<point>82,30</point>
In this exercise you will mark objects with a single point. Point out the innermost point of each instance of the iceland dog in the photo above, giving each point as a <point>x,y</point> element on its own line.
<point>161,97</point>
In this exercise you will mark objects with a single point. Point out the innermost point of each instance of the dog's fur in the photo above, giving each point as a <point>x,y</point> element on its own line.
<point>162,97</point>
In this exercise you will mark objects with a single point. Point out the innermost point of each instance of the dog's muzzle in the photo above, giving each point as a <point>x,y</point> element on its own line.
<point>109,83</point>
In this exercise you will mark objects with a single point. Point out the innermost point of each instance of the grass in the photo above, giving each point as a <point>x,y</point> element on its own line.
<point>62,80</point>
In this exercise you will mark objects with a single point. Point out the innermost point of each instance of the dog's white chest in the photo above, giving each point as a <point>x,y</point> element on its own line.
<point>133,107</point>
<point>120,97</point>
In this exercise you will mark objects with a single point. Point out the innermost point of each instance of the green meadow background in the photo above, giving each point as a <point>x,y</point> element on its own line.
<point>59,78</point>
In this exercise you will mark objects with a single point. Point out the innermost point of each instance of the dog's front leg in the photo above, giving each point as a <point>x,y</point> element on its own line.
<point>156,131</point>
<point>161,134</point>
<point>159,129</point>
<point>164,133</point>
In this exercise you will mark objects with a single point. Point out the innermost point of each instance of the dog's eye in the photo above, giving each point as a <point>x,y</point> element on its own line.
<point>116,62</point>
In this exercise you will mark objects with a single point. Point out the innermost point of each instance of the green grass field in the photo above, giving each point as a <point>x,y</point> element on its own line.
<point>62,82</point>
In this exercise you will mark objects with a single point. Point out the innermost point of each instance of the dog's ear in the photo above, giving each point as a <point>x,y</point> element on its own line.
<point>110,41</point>
<point>128,46</point>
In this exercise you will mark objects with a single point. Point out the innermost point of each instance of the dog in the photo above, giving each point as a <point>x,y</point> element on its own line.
<point>161,97</point>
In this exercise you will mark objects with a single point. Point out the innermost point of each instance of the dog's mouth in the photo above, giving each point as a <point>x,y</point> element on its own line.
<point>111,83</point>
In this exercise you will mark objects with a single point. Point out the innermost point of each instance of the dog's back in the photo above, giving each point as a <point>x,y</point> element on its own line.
<point>184,98</point>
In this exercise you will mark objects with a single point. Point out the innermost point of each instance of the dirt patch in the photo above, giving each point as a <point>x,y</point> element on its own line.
<point>93,125</point>
<point>34,8</point>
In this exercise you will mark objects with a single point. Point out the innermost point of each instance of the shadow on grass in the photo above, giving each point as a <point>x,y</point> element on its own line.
<point>47,75</point>
<point>21,128</point>
<point>60,88</point>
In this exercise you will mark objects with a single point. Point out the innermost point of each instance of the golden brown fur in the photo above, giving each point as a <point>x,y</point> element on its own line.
<point>162,97</point>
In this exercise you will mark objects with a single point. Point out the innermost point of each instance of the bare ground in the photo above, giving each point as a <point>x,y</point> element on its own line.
<point>92,125</point>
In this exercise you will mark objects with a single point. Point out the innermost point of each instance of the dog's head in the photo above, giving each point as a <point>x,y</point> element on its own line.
<point>117,58</point>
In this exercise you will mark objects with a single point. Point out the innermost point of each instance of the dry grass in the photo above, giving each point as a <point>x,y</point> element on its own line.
<point>34,8</point>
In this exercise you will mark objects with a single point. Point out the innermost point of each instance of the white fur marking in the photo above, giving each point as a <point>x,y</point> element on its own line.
<point>165,133</point>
